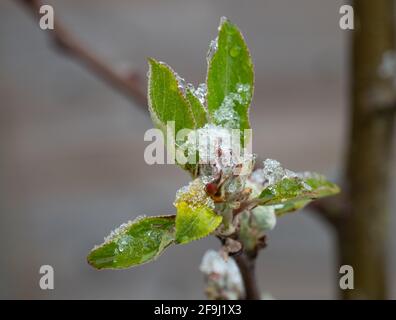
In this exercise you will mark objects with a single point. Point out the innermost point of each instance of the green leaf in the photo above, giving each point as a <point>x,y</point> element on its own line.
<point>291,206</point>
<point>198,110</point>
<point>290,194</point>
<point>134,243</point>
<point>193,223</point>
<point>166,100</point>
<point>230,79</point>
<point>321,186</point>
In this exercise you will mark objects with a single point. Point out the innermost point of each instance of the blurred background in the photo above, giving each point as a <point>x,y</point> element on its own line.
<point>72,166</point>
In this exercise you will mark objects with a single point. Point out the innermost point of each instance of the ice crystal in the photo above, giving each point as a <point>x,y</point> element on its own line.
<point>226,115</point>
<point>181,83</point>
<point>235,185</point>
<point>264,217</point>
<point>222,21</point>
<point>273,172</point>
<point>121,229</point>
<point>194,195</point>
<point>124,242</point>
<point>212,50</point>
<point>220,148</point>
<point>200,93</point>
<point>119,232</point>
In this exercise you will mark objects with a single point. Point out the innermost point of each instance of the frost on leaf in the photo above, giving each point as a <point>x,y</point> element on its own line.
<point>212,50</point>
<point>200,93</point>
<point>197,99</point>
<point>222,170</point>
<point>195,217</point>
<point>223,279</point>
<point>134,243</point>
<point>219,150</point>
<point>227,115</point>
<point>229,79</point>
<point>287,190</point>
<point>194,195</point>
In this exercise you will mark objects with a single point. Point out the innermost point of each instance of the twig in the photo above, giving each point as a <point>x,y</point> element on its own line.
<point>246,265</point>
<point>131,86</point>
<point>246,205</point>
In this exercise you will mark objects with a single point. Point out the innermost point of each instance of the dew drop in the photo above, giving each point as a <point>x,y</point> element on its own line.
<point>123,242</point>
<point>234,51</point>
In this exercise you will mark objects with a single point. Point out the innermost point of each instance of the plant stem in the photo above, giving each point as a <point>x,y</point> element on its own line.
<point>246,265</point>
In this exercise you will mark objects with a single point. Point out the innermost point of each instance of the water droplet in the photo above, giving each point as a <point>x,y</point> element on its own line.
<point>234,51</point>
<point>124,242</point>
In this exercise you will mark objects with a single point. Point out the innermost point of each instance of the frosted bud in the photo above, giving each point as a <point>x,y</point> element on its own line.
<point>264,218</point>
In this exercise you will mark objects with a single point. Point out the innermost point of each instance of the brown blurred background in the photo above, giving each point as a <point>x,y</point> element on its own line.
<point>72,166</point>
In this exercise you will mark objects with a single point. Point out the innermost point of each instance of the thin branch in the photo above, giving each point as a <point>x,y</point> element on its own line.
<point>246,265</point>
<point>131,86</point>
<point>246,205</point>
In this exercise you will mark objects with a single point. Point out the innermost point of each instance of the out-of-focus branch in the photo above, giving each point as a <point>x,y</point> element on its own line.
<point>130,86</point>
<point>363,238</point>
<point>332,210</point>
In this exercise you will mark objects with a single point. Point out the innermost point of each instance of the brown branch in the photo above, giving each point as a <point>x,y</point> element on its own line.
<point>246,205</point>
<point>131,86</point>
<point>246,265</point>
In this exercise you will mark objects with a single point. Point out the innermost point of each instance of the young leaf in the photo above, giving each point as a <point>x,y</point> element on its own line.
<point>134,243</point>
<point>198,110</point>
<point>281,209</point>
<point>166,100</point>
<point>230,79</point>
<point>290,194</point>
<point>193,223</point>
